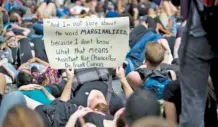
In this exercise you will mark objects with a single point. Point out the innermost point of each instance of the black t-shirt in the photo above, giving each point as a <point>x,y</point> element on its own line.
<point>96,119</point>
<point>56,114</point>
<point>172,93</point>
<point>83,93</point>
<point>143,9</point>
<point>130,8</point>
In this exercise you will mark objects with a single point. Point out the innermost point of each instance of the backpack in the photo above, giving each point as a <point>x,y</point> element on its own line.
<point>155,81</point>
<point>209,20</point>
<point>83,76</point>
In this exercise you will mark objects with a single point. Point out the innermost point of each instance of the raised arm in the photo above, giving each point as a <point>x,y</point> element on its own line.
<point>168,58</point>
<point>65,96</point>
<point>42,62</point>
<point>81,112</point>
<point>37,60</point>
<point>126,87</point>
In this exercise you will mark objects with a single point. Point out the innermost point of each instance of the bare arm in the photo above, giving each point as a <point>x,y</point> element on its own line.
<point>135,13</point>
<point>126,87</point>
<point>65,96</point>
<point>26,31</point>
<point>134,80</point>
<point>22,66</point>
<point>168,58</point>
<point>160,28</point>
<point>170,111</point>
<point>48,95</point>
<point>3,84</point>
<point>42,62</point>
<point>72,121</point>
<point>81,112</point>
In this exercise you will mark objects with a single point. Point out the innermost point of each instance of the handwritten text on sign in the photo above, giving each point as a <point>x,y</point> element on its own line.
<point>82,43</point>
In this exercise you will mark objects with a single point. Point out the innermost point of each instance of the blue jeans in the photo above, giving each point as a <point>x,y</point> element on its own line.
<point>38,27</point>
<point>61,12</point>
<point>8,6</point>
<point>138,50</point>
<point>34,36</point>
<point>136,55</point>
<point>9,100</point>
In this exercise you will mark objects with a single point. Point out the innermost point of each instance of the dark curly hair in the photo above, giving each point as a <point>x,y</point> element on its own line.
<point>23,78</point>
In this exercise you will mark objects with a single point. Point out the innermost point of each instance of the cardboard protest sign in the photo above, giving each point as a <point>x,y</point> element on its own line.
<point>84,43</point>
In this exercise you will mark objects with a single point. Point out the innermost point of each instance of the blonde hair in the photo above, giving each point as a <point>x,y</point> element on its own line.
<point>154,53</point>
<point>21,116</point>
<point>102,108</point>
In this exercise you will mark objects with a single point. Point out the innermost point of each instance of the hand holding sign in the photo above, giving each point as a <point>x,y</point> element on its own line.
<point>93,42</point>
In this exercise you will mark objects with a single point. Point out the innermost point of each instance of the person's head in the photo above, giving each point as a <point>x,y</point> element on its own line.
<point>24,78</point>
<point>21,116</point>
<point>154,54</point>
<point>14,17</point>
<point>153,122</point>
<point>35,72</point>
<point>121,119</point>
<point>141,103</point>
<point>97,102</point>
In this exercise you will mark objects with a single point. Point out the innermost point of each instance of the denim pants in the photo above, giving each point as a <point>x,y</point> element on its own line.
<point>136,55</point>
<point>61,12</point>
<point>9,100</point>
<point>195,57</point>
<point>38,27</point>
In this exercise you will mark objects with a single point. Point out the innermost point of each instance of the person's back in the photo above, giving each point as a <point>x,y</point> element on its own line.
<point>141,104</point>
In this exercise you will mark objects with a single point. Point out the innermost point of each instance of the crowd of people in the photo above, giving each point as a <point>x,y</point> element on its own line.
<point>144,92</point>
